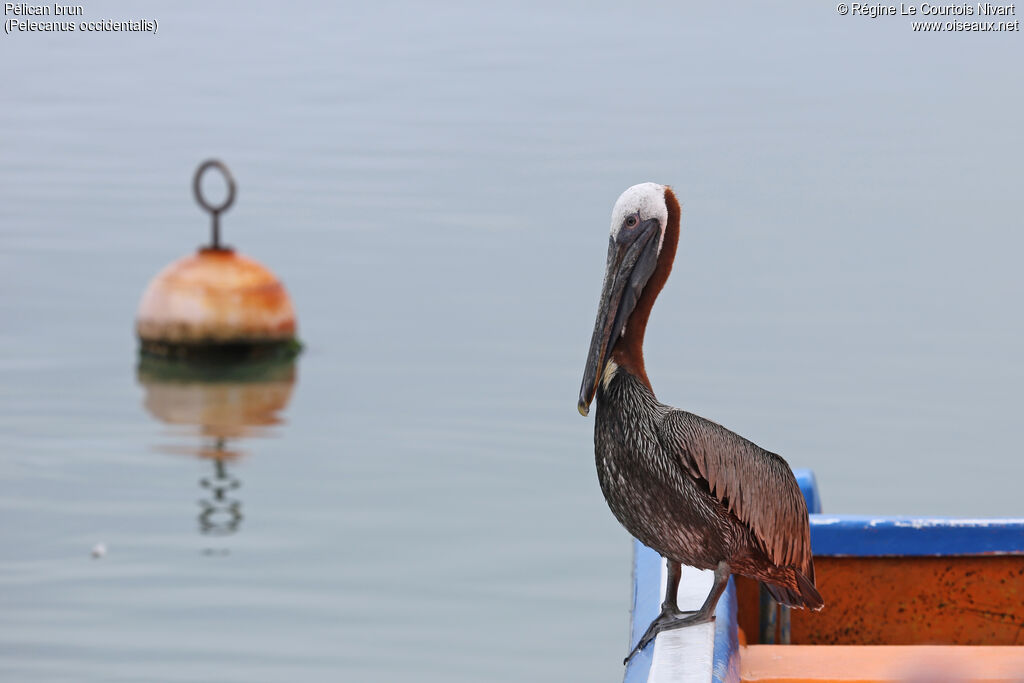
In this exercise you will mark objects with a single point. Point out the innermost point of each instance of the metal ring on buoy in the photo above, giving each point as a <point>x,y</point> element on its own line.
<point>214,211</point>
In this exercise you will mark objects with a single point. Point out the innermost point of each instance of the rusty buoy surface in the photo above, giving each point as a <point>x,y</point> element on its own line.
<point>216,304</point>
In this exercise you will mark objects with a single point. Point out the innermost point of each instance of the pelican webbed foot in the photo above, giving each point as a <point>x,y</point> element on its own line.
<point>666,621</point>
<point>671,618</point>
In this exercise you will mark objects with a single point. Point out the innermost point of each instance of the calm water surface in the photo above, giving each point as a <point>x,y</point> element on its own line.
<point>433,184</point>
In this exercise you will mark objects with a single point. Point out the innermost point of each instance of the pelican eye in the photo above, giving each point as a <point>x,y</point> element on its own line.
<point>631,221</point>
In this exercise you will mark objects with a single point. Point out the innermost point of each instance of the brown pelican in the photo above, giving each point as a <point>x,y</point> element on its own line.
<point>687,487</point>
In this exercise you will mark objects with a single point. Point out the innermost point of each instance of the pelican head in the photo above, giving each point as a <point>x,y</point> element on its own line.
<point>639,221</point>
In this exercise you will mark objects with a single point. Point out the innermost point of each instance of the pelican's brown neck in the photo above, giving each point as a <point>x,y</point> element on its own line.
<point>629,350</point>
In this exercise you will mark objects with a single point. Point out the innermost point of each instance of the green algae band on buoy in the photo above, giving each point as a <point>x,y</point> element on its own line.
<point>216,305</point>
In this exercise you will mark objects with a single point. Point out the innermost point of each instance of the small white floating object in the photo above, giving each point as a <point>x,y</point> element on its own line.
<point>99,550</point>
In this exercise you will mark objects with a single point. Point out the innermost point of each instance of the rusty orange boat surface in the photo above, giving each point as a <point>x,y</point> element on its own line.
<point>906,599</point>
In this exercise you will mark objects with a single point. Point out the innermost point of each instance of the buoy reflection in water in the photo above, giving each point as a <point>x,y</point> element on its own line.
<point>213,404</point>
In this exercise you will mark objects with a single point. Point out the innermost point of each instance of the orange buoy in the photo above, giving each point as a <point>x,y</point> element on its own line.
<point>216,304</point>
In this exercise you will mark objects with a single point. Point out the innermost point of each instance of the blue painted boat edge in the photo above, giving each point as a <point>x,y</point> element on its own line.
<point>725,667</point>
<point>877,536</point>
<point>809,487</point>
<point>646,605</point>
<point>874,536</point>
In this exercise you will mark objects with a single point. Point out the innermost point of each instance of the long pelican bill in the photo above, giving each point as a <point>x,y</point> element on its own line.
<point>632,258</point>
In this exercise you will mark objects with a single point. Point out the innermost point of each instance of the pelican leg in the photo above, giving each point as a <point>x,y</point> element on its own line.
<point>675,572</point>
<point>671,618</point>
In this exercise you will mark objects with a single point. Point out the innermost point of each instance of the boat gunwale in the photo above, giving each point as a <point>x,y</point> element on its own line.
<point>831,536</point>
